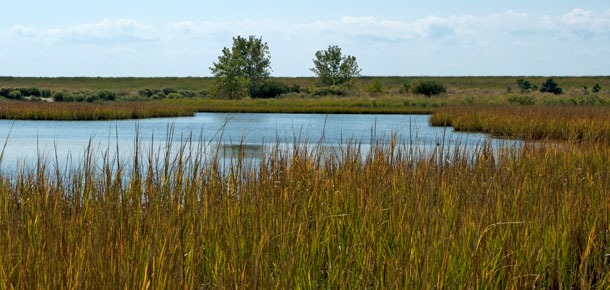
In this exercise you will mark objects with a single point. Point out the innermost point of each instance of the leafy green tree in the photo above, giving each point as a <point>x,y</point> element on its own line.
<point>550,86</point>
<point>332,68</point>
<point>243,68</point>
<point>429,88</point>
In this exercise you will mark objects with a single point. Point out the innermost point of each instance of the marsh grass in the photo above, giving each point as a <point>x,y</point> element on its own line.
<point>96,111</point>
<point>393,217</point>
<point>575,124</point>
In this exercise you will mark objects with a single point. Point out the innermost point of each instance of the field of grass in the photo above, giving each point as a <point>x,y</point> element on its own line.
<point>575,124</point>
<point>18,110</point>
<point>530,217</point>
<point>391,84</point>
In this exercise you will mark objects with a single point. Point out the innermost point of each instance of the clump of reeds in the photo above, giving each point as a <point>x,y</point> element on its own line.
<point>94,111</point>
<point>393,217</point>
<point>582,124</point>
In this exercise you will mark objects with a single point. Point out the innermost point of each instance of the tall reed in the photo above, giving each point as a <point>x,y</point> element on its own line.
<point>583,124</point>
<point>86,111</point>
<point>392,217</point>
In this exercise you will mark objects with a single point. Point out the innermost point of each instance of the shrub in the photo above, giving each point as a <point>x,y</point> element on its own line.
<point>406,88</point>
<point>174,96</point>
<point>26,92</point>
<point>91,98</point>
<point>340,90</point>
<point>597,88</point>
<point>59,96</point>
<point>168,91</point>
<point>550,86</point>
<point>158,96</point>
<point>145,93</point>
<point>5,91</point>
<point>524,86</point>
<point>430,88</point>
<point>106,95</point>
<point>14,95</point>
<point>187,93</point>
<point>375,88</point>
<point>45,93</point>
<point>270,89</point>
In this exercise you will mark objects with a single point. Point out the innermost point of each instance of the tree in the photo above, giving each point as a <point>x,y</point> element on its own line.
<point>429,88</point>
<point>524,86</point>
<point>596,88</point>
<point>243,68</point>
<point>550,86</point>
<point>332,68</point>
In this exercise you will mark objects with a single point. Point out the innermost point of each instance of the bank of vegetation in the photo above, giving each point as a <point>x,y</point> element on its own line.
<point>574,124</point>
<point>525,217</point>
<point>90,112</point>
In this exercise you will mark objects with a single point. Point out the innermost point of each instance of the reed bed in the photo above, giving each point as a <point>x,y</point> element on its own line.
<point>535,216</point>
<point>96,111</point>
<point>581,124</point>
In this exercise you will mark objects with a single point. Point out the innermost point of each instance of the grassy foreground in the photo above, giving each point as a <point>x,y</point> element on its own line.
<point>582,124</point>
<point>533,217</point>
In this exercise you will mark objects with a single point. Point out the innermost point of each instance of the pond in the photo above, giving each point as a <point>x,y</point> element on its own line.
<point>30,140</point>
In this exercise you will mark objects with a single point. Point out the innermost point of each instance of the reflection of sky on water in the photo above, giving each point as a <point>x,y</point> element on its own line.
<point>29,139</point>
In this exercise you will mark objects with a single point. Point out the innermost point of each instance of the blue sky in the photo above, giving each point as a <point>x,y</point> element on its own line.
<point>183,38</point>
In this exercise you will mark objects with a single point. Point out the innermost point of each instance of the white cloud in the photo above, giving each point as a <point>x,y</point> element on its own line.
<point>578,23</point>
<point>455,44</point>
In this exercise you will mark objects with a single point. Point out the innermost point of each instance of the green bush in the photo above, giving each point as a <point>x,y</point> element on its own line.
<point>174,96</point>
<point>145,93</point>
<point>405,88</point>
<point>106,95</point>
<point>270,89</point>
<point>597,88</point>
<point>429,88</point>
<point>91,98</point>
<point>27,92</point>
<point>14,95</point>
<point>168,91</point>
<point>58,96</point>
<point>524,86</point>
<point>158,96</point>
<point>45,93</point>
<point>187,93</point>
<point>550,86</point>
<point>375,88</point>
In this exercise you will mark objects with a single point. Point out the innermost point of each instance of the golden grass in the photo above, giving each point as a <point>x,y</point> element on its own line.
<point>536,216</point>
<point>17,110</point>
<point>582,124</point>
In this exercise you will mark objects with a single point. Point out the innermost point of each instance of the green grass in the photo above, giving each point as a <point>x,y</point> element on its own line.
<point>392,84</point>
<point>531,217</point>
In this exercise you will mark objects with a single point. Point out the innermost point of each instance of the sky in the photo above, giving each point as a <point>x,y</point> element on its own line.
<point>115,38</point>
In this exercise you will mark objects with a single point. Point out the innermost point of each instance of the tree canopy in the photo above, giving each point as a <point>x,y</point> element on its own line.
<point>243,68</point>
<point>333,68</point>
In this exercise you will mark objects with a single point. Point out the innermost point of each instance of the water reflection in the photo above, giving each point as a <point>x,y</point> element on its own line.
<point>64,142</point>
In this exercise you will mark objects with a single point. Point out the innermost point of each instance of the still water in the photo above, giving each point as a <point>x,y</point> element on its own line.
<point>30,140</point>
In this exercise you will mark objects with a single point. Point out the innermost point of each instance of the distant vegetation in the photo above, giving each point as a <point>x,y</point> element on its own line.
<point>363,95</point>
